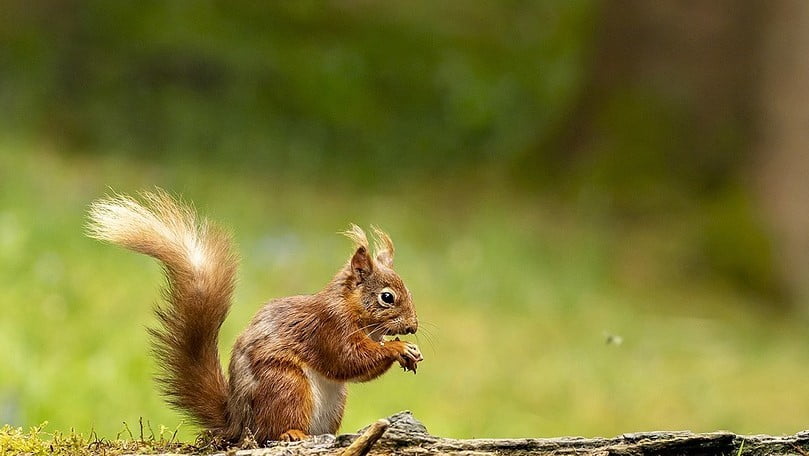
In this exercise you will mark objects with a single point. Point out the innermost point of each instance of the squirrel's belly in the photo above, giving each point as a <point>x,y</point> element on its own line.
<point>328,400</point>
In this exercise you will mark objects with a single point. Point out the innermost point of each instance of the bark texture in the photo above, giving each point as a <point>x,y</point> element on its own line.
<point>402,434</point>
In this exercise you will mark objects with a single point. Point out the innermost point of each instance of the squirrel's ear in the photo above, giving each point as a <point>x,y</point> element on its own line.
<point>361,264</point>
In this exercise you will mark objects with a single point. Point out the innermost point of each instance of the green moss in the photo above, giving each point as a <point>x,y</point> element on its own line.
<point>16,441</point>
<point>35,441</point>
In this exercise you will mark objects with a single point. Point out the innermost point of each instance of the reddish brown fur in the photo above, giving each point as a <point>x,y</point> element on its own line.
<point>288,367</point>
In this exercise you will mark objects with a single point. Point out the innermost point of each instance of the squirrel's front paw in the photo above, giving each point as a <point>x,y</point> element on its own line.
<point>410,356</point>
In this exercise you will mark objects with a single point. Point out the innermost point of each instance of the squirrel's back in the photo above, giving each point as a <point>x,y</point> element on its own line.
<point>200,267</point>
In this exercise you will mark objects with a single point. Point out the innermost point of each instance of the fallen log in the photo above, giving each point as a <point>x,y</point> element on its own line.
<point>402,434</point>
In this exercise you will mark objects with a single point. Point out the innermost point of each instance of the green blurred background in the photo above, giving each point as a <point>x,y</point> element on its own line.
<point>600,207</point>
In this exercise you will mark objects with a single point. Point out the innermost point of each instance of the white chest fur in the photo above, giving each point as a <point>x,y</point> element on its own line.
<point>328,399</point>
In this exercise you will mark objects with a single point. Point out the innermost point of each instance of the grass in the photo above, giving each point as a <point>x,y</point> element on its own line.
<point>516,295</point>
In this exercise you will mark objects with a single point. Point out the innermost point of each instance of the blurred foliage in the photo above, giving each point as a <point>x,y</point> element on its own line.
<point>368,94</point>
<point>534,208</point>
<point>376,91</point>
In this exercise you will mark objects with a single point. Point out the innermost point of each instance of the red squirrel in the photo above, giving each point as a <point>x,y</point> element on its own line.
<point>289,368</point>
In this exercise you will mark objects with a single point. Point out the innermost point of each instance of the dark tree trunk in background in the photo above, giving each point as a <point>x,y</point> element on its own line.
<point>696,53</point>
<point>783,148</point>
<point>693,58</point>
<point>733,77</point>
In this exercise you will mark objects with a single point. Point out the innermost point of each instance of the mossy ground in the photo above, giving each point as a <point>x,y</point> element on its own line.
<point>38,441</point>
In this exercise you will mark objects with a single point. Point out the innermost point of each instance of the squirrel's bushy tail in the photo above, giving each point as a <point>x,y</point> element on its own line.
<point>200,268</point>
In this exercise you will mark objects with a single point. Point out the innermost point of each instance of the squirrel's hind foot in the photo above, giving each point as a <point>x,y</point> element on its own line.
<point>293,435</point>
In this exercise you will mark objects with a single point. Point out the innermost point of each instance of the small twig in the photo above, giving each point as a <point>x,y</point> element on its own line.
<point>798,449</point>
<point>363,444</point>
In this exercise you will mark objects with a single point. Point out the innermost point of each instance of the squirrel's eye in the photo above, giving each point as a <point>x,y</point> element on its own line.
<point>386,298</point>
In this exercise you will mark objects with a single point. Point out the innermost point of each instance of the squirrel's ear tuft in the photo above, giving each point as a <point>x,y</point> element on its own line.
<point>383,246</point>
<point>361,265</point>
<point>357,235</point>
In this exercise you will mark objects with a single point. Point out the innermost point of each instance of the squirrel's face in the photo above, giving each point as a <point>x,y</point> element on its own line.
<point>386,304</point>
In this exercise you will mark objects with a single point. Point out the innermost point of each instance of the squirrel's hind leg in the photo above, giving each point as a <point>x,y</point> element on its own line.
<point>282,402</point>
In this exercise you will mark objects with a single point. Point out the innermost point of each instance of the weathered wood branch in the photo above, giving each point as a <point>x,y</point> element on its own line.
<point>402,434</point>
<point>362,444</point>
